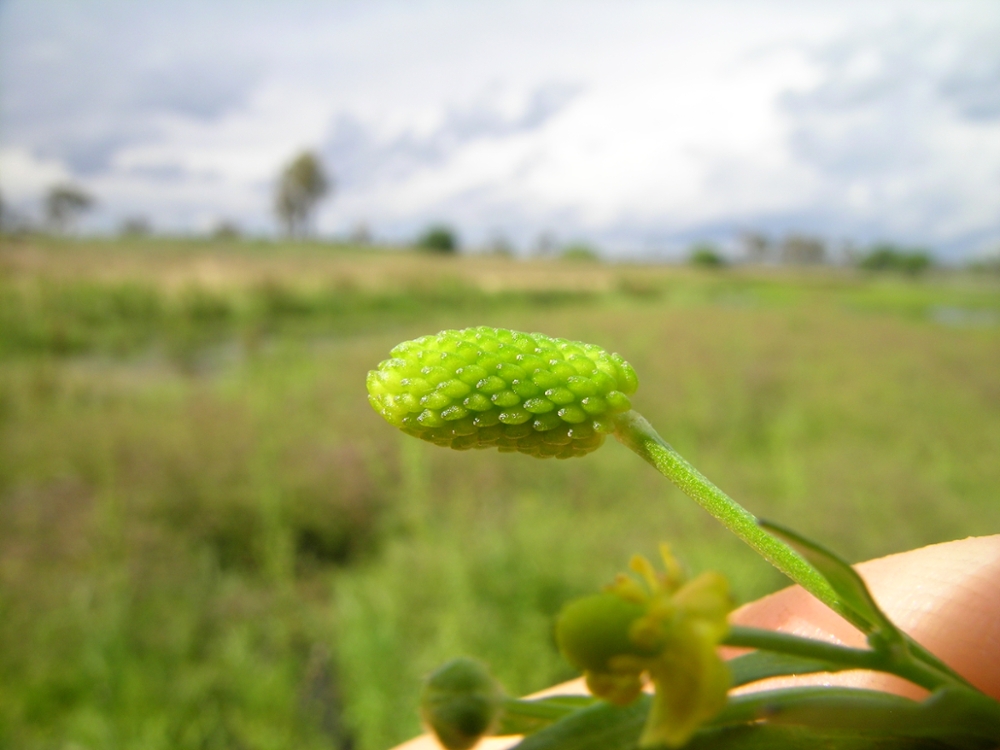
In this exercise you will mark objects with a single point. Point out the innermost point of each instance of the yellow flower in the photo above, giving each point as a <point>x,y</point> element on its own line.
<point>660,629</point>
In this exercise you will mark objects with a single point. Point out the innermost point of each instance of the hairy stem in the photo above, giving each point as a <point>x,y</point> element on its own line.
<point>636,433</point>
<point>633,431</point>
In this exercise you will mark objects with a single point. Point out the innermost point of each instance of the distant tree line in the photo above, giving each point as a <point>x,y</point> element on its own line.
<point>802,250</point>
<point>304,182</point>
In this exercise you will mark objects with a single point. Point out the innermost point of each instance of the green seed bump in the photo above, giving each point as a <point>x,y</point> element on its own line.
<point>463,427</point>
<point>491,434</point>
<point>429,418</point>
<point>561,396</point>
<point>454,388</point>
<point>489,362</point>
<point>477,402</point>
<point>572,414</point>
<point>594,405</point>
<point>434,375</point>
<point>415,386</point>
<point>470,374</point>
<point>487,387</point>
<point>491,384</point>
<point>454,412</point>
<point>525,388</point>
<point>506,398</point>
<point>487,418</point>
<point>464,443</point>
<point>557,436</point>
<point>530,362</point>
<point>581,364</point>
<point>515,416</point>
<point>538,405</point>
<point>563,371</point>
<point>510,373</point>
<point>605,383</point>
<point>408,402</point>
<point>581,386</point>
<point>618,402</point>
<point>517,431</point>
<point>436,400</point>
<point>546,422</point>
<point>604,423</point>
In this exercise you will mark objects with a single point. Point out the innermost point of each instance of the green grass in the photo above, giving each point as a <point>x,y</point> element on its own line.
<point>209,540</point>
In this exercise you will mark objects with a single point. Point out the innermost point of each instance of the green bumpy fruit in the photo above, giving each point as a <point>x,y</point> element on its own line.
<point>491,387</point>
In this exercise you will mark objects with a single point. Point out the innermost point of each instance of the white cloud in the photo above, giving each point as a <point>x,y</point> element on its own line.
<point>24,176</point>
<point>632,124</point>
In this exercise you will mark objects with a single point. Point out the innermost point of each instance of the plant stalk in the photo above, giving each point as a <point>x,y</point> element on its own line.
<point>783,643</point>
<point>636,433</point>
<point>633,431</point>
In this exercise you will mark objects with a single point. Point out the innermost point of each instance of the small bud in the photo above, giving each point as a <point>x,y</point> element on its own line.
<point>461,703</point>
<point>593,630</point>
<point>495,388</point>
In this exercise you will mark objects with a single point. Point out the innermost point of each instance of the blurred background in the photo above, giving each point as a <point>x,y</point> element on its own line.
<point>215,218</point>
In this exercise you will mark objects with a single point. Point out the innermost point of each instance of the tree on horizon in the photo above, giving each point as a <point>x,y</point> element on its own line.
<point>63,205</point>
<point>301,186</point>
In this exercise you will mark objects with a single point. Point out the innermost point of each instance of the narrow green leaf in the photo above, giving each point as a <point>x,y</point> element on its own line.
<point>529,716</point>
<point>602,726</point>
<point>843,579</point>
<point>958,716</point>
<point>811,717</point>
<point>772,737</point>
<point>854,595</point>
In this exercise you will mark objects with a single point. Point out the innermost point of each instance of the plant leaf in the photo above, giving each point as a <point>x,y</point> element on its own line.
<point>844,580</point>
<point>959,716</point>
<point>602,726</point>
<point>771,737</point>
<point>606,727</point>
<point>530,716</point>
<point>831,718</point>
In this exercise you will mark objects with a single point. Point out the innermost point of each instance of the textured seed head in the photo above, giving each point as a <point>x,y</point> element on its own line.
<point>491,387</point>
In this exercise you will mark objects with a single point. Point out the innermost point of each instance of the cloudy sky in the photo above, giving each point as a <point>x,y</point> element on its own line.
<point>639,126</point>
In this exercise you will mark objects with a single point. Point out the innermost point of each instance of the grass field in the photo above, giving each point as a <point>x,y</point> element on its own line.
<point>209,540</point>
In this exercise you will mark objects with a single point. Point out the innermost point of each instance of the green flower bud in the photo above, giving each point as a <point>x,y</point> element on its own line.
<point>595,629</point>
<point>662,629</point>
<point>461,703</point>
<point>491,387</point>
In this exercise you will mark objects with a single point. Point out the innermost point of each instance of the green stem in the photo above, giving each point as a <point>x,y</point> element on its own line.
<point>636,433</point>
<point>783,643</point>
<point>633,431</point>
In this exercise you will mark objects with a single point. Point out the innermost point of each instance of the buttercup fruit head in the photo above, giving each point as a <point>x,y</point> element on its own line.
<point>492,387</point>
